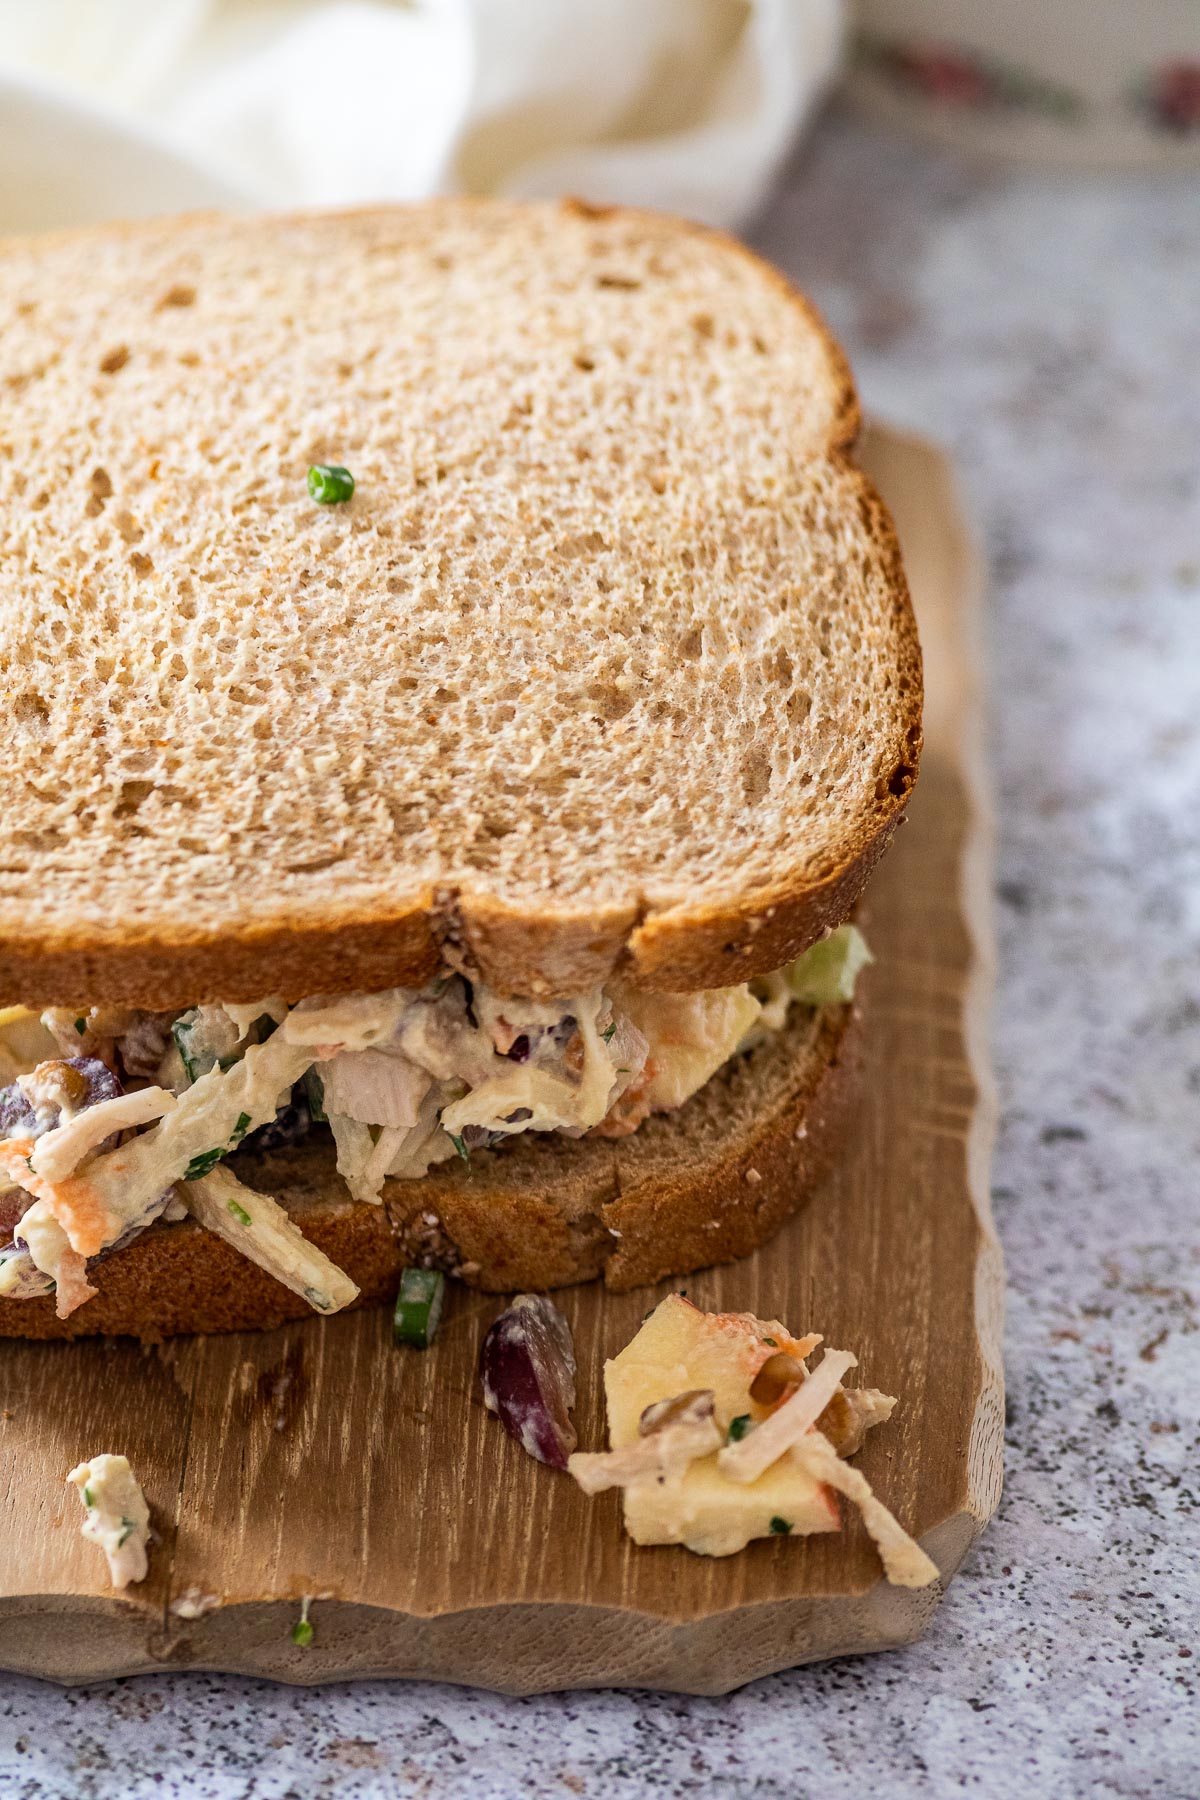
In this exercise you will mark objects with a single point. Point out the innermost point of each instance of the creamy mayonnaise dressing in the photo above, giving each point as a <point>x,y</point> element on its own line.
<point>118,1518</point>
<point>405,1078</point>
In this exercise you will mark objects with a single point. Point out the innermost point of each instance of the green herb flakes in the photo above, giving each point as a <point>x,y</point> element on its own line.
<point>314,1093</point>
<point>181,1031</point>
<point>738,1428</point>
<point>239,1212</point>
<point>330,484</point>
<point>202,1165</point>
<point>780,1527</point>
<point>302,1632</point>
<point>419,1307</point>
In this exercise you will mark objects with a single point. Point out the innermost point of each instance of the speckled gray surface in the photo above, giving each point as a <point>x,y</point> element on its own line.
<point>1050,335</point>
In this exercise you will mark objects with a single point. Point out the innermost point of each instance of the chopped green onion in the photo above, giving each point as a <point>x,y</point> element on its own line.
<point>780,1527</point>
<point>826,973</point>
<point>239,1212</point>
<point>608,1035</point>
<point>314,1093</point>
<point>302,1631</point>
<point>738,1428</point>
<point>461,1146</point>
<point>81,1026</point>
<point>207,1160</point>
<point>772,1343</point>
<point>329,483</point>
<point>202,1165</point>
<point>88,1498</point>
<point>127,1530</point>
<point>181,1031</point>
<point>419,1307</point>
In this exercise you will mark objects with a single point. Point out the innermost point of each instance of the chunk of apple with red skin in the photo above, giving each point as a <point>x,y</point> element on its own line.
<point>680,1348</point>
<point>721,1351</point>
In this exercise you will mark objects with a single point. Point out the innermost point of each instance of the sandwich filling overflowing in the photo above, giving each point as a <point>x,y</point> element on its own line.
<point>112,1118</point>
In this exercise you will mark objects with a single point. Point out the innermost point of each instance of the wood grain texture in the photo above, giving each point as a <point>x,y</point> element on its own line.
<point>320,1460</point>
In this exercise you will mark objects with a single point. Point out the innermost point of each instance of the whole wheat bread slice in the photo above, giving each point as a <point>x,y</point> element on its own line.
<point>609,661</point>
<point>702,1185</point>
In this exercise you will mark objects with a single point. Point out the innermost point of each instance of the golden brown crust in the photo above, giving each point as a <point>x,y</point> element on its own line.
<point>703,1185</point>
<point>686,948</point>
<point>342,953</point>
<point>532,946</point>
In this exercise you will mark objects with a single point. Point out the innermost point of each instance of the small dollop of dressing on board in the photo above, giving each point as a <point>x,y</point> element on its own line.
<point>118,1518</point>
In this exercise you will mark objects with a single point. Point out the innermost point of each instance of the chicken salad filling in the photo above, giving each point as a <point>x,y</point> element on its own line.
<point>114,1117</point>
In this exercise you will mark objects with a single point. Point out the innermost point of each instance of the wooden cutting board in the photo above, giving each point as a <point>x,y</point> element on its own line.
<point>320,1460</point>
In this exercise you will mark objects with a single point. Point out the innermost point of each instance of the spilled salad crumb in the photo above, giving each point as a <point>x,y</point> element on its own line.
<point>118,1518</point>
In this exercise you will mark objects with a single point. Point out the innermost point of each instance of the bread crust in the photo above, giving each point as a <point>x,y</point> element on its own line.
<point>703,1185</point>
<point>537,948</point>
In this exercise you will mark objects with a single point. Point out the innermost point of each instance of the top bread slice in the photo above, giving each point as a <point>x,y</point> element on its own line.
<point>608,663</point>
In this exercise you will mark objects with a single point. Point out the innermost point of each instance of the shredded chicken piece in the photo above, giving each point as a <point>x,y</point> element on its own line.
<point>747,1460</point>
<point>375,1086</point>
<point>60,1151</point>
<point>684,1430</point>
<point>259,1228</point>
<point>904,1562</point>
<point>51,1252</point>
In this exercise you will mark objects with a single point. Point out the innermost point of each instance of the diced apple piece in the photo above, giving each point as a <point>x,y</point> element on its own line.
<point>779,1457</point>
<point>689,1035</point>
<point>716,1517</point>
<point>680,1348</point>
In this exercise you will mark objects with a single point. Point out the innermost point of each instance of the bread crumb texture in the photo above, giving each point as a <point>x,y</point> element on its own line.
<point>610,630</point>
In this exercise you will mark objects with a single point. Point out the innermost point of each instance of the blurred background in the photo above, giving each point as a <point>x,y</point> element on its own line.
<point>997,205</point>
<point>689,105</point>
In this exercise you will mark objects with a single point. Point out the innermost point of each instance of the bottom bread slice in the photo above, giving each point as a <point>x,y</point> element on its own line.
<point>706,1184</point>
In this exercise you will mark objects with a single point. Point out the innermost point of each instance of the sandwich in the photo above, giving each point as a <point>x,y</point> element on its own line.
<point>456,686</point>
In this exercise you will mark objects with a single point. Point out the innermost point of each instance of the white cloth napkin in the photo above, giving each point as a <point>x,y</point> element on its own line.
<point>683,104</point>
